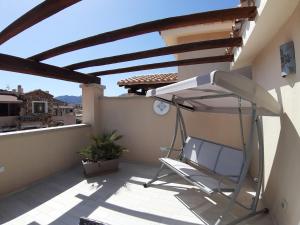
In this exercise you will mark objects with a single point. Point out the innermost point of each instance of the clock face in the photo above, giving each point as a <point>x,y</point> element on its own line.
<point>160,108</point>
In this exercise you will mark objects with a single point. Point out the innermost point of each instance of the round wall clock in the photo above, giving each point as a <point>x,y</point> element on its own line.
<point>160,108</point>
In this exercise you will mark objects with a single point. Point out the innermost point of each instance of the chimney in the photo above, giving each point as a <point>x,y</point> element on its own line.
<point>20,89</point>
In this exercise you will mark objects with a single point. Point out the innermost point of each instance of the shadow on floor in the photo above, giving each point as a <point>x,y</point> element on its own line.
<point>98,193</point>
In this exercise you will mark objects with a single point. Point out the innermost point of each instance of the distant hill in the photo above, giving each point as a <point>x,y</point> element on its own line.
<point>70,99</point>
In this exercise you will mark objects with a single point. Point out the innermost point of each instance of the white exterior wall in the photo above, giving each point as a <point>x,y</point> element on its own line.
<point>277,22</point>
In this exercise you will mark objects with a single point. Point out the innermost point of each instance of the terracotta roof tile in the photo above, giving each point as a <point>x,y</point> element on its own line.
<point>149,79</point>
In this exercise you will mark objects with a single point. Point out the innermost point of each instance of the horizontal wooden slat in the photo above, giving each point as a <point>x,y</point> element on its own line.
<point>201,45</point>
<point>34,16</point>
<point>148,27</point>
<point>20,65</point>
<point>185,62</point>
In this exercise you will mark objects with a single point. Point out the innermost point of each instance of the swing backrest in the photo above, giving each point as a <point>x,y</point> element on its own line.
<point>220,159</point>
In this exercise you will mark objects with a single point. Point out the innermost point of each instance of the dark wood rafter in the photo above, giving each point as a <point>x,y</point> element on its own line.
<point>141,89</point>
<point>34,16</point>
<point>185,62</point>
<point>137,91</point>
<point>20,65</point>
<point>201,45</point>
<point>148,27</point>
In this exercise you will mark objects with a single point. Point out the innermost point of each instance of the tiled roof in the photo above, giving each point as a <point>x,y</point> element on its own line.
<point>149,79</point>
<point>38,90</point>
<point>5,92</point>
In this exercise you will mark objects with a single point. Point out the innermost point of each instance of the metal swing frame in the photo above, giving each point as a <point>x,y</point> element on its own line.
<point>247,154</point>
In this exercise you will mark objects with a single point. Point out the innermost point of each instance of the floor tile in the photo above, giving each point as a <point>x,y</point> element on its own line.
<point>118,199</point>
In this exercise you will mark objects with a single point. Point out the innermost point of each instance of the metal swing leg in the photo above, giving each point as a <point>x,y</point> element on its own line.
<point>261,164</point>
<point>255,121</point>
<point>179,123</point>
<point>254,204</point>
<point>157,177</point>
<point>249,215</point>
<point>248,155</point>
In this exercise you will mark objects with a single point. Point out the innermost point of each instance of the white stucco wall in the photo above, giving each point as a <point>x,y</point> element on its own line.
<point>281,135</point>
<point>8,121</point>
<point>28,156</point>
<point>145,132</point>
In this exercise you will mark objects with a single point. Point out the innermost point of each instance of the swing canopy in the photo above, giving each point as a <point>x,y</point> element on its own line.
<point>206,164</point>
<point>218,92</point>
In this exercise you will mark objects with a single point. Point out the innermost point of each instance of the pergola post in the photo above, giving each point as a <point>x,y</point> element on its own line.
<point>91,105</point>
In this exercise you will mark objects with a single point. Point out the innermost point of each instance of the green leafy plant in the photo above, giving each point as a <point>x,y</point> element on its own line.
<point>104,147</point>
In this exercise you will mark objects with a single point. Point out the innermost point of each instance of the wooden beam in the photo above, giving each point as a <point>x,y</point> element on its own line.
<point>185,62</point>
<point>37,14</point>
<point>201,45</point>
<point>20,65</point>
<point>143,28</point>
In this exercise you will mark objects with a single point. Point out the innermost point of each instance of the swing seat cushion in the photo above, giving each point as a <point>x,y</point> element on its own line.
<point>205,181</point>
<point>214,163</point>
<point>220,159</point>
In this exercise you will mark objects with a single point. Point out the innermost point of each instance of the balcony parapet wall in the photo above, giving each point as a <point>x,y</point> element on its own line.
<point>28,156</point>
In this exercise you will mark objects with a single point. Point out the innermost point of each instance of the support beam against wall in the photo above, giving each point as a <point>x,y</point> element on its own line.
<point>34,16</point>
<point>92,106</point>
<point>195,46</point>
<point>20,65</point>
<point>153,26</point>
<point>185,62</point>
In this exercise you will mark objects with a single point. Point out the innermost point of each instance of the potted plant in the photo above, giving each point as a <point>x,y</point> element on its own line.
<point>103,154</point>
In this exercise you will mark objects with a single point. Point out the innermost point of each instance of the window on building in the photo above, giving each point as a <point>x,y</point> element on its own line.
<point>39,107</point>
<point>9,109</point>
<point>14,109</point>
<point>69,110</point>
<point>3,109</point>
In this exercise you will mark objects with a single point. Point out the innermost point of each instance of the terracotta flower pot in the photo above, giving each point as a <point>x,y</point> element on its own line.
<point>97,168</point>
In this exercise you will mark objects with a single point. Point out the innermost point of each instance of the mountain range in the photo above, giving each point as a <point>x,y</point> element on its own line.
<point>71,99</point>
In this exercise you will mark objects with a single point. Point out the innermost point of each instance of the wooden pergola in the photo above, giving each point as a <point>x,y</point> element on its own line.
<point>34,66</point>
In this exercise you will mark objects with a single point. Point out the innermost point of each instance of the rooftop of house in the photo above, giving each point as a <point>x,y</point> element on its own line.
<point>38,90</point>
<point>139,85</point>
<point>6,92</point>
<point>166,78</point>
<point>9,96</point>
<point>6,98</point>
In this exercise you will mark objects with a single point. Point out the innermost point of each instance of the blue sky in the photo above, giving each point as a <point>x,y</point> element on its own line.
<point>86,18</point>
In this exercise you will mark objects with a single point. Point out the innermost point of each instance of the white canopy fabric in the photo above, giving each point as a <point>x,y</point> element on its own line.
<point>198,93</point>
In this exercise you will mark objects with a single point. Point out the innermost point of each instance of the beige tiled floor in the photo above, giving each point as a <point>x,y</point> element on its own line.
<point>118,199</point>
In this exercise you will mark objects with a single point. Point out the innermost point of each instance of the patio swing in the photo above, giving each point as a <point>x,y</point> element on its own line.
<point>213,167</point>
